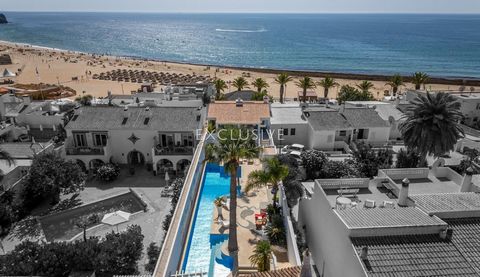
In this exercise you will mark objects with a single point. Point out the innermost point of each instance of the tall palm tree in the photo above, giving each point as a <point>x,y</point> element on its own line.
<point>261,256</point>
<point>327,84</point>
<point>431,125</point>
<point>4,155</point>
<point>365,86</point>
<point>240,83</point>
<point>233,145</point>
<point>220,86</point>
<point>395,83</point>
<point>419,79</point>
<point>305,84</point>
<point>273,173</point>
<point>260,84</point>
<point>282,79</point>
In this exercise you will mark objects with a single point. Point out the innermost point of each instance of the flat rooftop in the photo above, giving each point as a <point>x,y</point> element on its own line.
<point>371,193</point>
<point>228,112</point>
<point>287,114</point>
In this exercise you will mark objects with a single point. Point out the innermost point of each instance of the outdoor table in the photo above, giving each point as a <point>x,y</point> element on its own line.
<point>343,202</point>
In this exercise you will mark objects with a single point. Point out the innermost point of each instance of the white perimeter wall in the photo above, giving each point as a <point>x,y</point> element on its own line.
<point>327,238</point>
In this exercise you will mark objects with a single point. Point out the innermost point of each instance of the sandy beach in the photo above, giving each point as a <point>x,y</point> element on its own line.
<point>75,70</point>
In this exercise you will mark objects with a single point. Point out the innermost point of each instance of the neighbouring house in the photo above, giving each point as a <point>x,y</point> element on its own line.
<point>163,137</point>
<point>405,222</point>
<point>333,129</point>
<point>311,96</point>
<point>254,115</point>
<point>469,105</point>
<point>288,124</point>
<point>388,111</point>
<point>22,154</point>
<point>38,119</point>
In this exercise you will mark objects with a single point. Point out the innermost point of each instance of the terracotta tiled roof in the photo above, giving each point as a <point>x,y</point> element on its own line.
<point>363,118</point>
<point>136,118</point>
<point>419,255</point>
<point>425,255</point>
<point>379,218</point>
<point>441,203</point>
<point>284,272</point>
<point>227,112</point>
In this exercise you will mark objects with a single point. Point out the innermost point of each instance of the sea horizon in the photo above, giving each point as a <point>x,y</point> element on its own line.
<point>250,40</point>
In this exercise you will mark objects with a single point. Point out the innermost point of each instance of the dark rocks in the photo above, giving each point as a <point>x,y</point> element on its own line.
<point>3,19</point>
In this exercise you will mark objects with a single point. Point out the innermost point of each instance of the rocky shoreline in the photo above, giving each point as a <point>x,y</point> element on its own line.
<point>3,19</point>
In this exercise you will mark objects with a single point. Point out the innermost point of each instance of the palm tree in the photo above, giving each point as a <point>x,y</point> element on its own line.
<point>419,79</point>
<point>240,83</point>
<point>327,84</point>
<point>4,155</point>
<point>395,83</point>
<point>431,125</point>
<point>365,86</point>
<point>282,79</point>
<point>261,256</point>
<point>220,86</point>
<point>305,84</point>
<point>233,145</point>
<point>260,84</point>
<point>273,173</point>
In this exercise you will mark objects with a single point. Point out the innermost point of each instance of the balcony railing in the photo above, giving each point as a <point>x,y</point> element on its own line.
<point>173,150</point>
<point>75,151</point>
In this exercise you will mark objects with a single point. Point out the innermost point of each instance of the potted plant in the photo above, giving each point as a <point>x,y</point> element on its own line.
<point>218,202</point>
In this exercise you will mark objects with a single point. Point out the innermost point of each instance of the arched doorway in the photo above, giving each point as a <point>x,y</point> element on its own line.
<point>82,165</point>
<point>135,158</point>
<point>182,166</point>
<point>164,165</point>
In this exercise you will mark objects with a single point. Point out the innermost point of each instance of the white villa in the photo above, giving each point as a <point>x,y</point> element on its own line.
<point>163,137</point>
<point>405,222</point>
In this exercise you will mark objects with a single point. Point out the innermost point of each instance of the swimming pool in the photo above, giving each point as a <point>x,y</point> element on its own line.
<point>203,251</point>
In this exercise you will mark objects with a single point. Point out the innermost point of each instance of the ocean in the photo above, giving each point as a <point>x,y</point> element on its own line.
<point>441,45</point>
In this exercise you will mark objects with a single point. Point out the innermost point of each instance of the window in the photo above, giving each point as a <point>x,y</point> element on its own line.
<point>478,106</point>
<point>80,140</point>
<point>100,139</point>
<point>187,139</point>
<point>145,122</point>
<point>285,132</point>
<point>124,120</point>
<point>342,133</point>
<point>292,131</point>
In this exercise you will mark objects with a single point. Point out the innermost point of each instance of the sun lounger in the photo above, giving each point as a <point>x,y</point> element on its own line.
<point>369,204</point>
<point>344,192</point>
<point>388,204</point>
<point>225,224</point>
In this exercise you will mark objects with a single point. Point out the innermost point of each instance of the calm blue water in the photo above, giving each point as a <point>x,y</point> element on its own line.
<point>199,251</point>
<point>442,45</point>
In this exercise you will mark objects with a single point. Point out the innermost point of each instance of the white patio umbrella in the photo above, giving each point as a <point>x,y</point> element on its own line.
<point>167,177</point>
<point>8,74</point>
<point>116,218</point>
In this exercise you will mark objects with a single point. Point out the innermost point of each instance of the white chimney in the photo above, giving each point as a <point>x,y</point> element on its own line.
<point>403,197</point>
<point>467,181</point>
<point>266,99</point>
<point>239,102</point>
<point>364,254</point>
<point>26,100</point>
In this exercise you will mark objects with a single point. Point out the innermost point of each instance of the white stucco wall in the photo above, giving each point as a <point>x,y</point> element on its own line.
<point>321,140</point>
<point>378,136</point>
<point>301,134</point>
<point>327,238</point>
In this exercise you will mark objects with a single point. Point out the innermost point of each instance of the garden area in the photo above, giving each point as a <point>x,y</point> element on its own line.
<point>56,203</point>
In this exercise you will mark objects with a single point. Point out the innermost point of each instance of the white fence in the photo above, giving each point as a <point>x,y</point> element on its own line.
<point>343,183</point>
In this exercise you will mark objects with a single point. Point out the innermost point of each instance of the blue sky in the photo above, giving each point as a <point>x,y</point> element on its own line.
<point>300,6</point>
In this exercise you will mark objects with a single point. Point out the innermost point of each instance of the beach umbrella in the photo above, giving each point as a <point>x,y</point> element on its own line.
<point>8,74</point>
<point>116,218</point>
<point>167,177</point>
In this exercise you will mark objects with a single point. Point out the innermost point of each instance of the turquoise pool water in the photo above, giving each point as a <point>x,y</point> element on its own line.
<point>203,250</point>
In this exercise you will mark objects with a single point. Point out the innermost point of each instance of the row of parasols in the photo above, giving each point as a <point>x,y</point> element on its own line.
<point>142,76</point>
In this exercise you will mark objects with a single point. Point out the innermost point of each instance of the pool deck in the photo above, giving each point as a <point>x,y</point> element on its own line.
<point>247,206</point>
